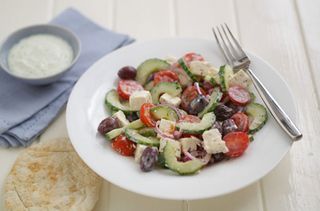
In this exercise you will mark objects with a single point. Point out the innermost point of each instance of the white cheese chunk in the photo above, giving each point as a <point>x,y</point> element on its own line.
<point>138,152</point>
<point>167,126</point>
<point>176,144</point>
<point>202,68</point>
<point>121,118</point>
<point>240,78</point>
<point>171,60</point>
<point>213,143</point>
<point>138,98</point>
<point>166,98</point>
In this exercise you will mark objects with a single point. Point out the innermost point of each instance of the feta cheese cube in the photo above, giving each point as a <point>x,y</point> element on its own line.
<point>138,98</point>
<point>213,143</point>
<point>121,118</point>
<point>167,126</point>
<point>138,152</point>
<point>176,144</point>
<point>240,78</point>
<point>171,60</point>
<point>166,98</point>
<point>202,68</point>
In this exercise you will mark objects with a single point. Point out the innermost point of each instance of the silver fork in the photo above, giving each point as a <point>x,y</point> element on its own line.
<point>237,58</point>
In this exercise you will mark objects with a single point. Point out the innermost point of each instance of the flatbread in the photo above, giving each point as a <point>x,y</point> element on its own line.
<point>51,176</point>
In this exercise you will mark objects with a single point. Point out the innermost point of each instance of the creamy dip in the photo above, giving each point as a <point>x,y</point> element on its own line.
<point>39,56</point>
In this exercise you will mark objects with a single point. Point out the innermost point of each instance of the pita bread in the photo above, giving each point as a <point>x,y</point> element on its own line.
<point>51,176</point>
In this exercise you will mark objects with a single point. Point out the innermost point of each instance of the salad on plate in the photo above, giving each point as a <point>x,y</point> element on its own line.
<point>181,114</point>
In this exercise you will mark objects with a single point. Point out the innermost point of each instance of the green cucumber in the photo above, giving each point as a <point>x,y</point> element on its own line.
<point>164,112</point>
<point>149,85</point>
<point>112,101</point>
<point>186,69</point>
<point>225,74</point>
<point>211,80</point>
<point>148,67</point>
<point>118,131</point>
<point>148,131</point>
<point>215,97</point>
<point>257,116</point>
<point>172,88</point>
<point>197,127</point>
<point>134,136</point>
<point>182,168</point>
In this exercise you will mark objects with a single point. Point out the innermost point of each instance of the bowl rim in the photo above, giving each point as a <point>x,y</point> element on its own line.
<point>50,25</point>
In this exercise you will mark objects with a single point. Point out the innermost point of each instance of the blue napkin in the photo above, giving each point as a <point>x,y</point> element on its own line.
<point>26,110</point>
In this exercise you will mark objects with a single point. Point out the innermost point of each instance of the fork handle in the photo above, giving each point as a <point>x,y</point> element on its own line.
<point>277,112</point>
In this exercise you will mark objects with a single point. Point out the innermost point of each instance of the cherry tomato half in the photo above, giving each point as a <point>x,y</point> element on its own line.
<point>165,76</point>
<point>127,87</point>
<point>237,143</point>
<point>189,94</point>
<point>192,57</point>
<point>145,115</point>
<point>123,146</point>
<point>238,95</point>
<point>242,121</point>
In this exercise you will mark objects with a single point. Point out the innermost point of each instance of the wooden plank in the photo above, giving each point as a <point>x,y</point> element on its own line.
<point>271,30</point>
<point>99,11</point>
<point>144,19</point>
<point>122,200</point>
<point>14,17</point>
<point>309,13</point>
<point>195,20</point>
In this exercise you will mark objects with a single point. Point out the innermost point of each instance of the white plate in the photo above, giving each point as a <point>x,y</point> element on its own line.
<point>86,109</point>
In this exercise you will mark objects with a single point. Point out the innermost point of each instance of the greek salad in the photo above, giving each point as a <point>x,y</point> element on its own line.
<point>181,114</point>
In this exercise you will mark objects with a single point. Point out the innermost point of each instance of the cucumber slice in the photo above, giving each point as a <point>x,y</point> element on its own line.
<point>257,116</point>
<point>148,131</point>
<point>114,133</point>
<point>182,168</point>
<point>148,67</point>
<point>186,69</point>
<point>211,80</point>
<point>118,131</point>
<point>112,101</point>
<point>172,88</point>
<point>215,97</point>
<point>149,85</point>
<point>163,112</point>
<point>225,74</point>
<point>134,136</point>
<point>199,127</point>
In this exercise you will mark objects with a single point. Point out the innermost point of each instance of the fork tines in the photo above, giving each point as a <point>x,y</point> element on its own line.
<point>227,43</point>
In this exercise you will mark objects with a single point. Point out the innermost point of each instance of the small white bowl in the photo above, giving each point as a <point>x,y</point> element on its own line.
<point>58,31</point>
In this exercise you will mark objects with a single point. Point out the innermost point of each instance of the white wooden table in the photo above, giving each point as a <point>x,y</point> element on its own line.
<point>284,32</point>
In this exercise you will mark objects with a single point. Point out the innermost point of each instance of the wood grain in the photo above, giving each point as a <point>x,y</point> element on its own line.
<point>275,35</point>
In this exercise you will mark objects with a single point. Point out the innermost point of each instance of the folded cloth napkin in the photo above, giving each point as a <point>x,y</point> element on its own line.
<point>26,110</point>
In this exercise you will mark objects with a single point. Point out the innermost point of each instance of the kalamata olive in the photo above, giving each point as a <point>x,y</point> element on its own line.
<point>197,105</point>
<point>218,125</point>
<point>108,124</point>
<point>206,86</point>
<point>223,112</point>
<point>127,72</point>
<point>218,157</point>
<point>132,116</point>
<point>229,126</point>
<point>150,78</point>
<point>148,159</point>
<point>235,108</point>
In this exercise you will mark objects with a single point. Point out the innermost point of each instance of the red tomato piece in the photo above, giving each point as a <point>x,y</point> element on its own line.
<point>127,87</point>
<point>189,118</point>
<point>237,143</point>
<point>192,57</point>
<point>242,121</point>
<point>123,146</point>
<point>189,94</point>
<point>165,76</point>
<point>145,115</point>
<point>238,95</point>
